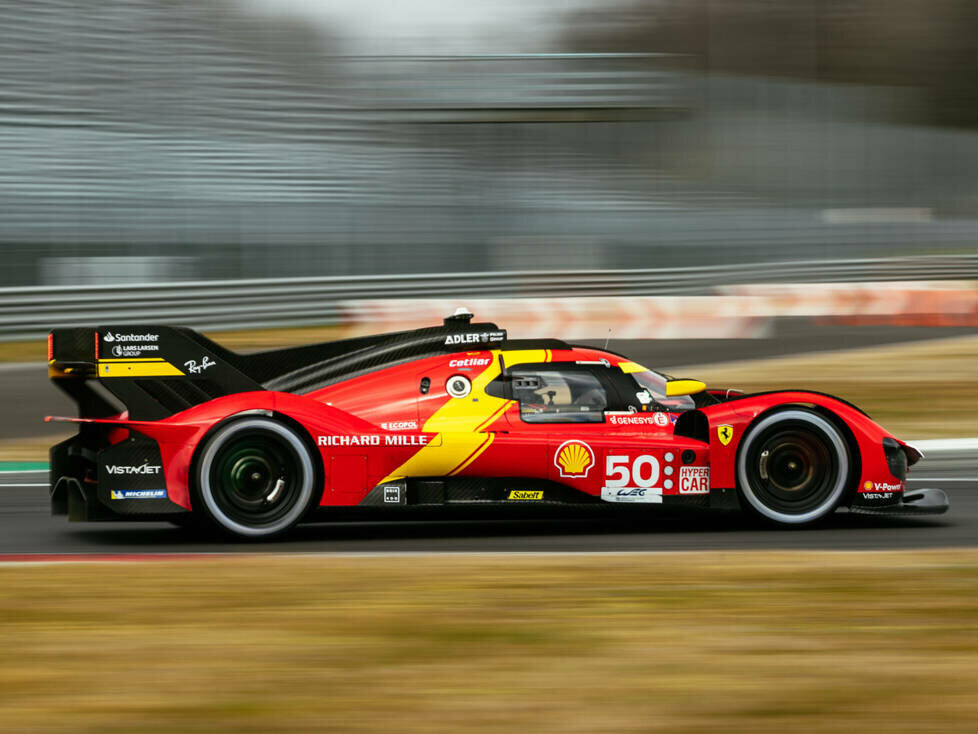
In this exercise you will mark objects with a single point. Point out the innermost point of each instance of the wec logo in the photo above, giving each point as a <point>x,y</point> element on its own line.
<point>635,492</point>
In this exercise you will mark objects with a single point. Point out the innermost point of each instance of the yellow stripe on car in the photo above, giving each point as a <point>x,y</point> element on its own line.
<point>674,388</point>
<point>630,367</point>
<point>137,368</point>
<point>459,422</point>
<point>130,359</point>
<point>490,437</point>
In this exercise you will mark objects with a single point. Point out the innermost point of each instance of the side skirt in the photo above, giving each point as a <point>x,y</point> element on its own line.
<point>492,491</point>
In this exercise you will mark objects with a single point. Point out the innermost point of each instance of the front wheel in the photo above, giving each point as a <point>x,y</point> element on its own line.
<point>255,477</point>
<point>793,467</point>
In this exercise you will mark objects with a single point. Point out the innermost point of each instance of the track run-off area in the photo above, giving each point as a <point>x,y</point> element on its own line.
<point>27,527</point>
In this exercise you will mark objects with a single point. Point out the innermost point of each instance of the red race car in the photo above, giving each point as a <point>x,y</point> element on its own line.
<point>174,427</point>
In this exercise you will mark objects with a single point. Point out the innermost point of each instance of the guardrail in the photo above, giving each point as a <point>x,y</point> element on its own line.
<point>29,312</point>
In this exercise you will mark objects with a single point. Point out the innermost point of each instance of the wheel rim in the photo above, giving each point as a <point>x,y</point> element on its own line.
<point>793,471</point>
<point>794,467</point>
<point>255,477</point>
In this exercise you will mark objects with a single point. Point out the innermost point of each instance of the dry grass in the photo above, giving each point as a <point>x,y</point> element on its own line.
<point>253,340</point>
<point>35,351</point>
<point>759,642</point>
<point>30,449</point>
<point>918,390</point>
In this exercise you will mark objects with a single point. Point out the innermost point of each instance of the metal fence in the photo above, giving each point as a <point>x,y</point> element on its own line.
<point>28,313</point>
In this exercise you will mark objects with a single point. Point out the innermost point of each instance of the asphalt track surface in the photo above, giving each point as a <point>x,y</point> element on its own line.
<point>27,527</point>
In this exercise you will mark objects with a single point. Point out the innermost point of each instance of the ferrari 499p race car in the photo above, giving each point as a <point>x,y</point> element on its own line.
<point>172,426</point>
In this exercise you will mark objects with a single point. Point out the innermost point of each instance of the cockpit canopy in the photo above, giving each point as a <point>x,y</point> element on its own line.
<point>675,395</point>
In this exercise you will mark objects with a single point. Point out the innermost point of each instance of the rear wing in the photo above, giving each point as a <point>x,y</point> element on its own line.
<point>154,371</point>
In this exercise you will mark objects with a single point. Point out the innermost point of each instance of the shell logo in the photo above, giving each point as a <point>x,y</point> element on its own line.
<point>574,459</point>
<point>868,485</point>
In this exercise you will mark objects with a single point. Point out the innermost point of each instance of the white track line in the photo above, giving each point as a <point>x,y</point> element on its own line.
<point>946,444</point>
<point>942,479</point>
<point>22,366</point>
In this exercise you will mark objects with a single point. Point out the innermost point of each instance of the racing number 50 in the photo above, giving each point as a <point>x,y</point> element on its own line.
<point>644,471</point>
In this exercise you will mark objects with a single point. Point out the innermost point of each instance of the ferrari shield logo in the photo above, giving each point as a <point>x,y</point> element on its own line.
<point>725,434</point>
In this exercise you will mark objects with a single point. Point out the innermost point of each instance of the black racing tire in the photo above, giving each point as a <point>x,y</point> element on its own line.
<point>793,467</point>
<point>254,478</point>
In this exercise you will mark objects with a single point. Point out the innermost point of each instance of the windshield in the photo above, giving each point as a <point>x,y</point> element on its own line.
<point>656,385</point>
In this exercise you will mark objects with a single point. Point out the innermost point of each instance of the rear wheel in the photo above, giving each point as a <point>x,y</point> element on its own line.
<point>255,477</point>
<point>793,467</point>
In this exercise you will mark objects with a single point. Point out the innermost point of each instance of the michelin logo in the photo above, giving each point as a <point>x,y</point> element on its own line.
<point>138,494</point>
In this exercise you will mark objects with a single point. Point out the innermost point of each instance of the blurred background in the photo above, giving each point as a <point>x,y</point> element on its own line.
<point>178,140</point>
<point>789,176</point>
